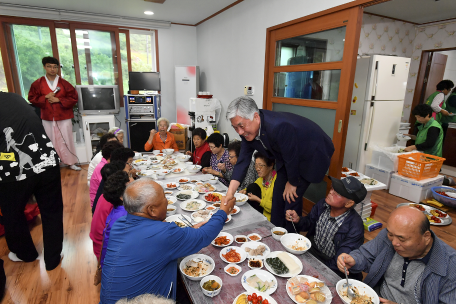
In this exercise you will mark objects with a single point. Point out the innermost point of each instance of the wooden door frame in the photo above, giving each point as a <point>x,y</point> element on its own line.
<point>351,18</point>
<point>420,78</point>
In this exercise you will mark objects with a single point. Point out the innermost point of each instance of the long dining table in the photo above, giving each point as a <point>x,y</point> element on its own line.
<point>247,221</point>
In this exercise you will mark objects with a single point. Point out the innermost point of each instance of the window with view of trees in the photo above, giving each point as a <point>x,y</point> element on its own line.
<point>31,44</point>
<point>95,50</point>
<point>3,86</point>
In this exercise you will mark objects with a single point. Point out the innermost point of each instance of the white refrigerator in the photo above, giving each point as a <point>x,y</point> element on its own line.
<point>376,108</point>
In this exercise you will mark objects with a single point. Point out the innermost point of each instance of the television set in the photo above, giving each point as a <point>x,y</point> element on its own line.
<point>144,81</point>
<point>98,99</point>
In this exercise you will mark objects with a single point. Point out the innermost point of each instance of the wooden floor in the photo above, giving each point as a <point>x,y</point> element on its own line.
<point>72,281</point>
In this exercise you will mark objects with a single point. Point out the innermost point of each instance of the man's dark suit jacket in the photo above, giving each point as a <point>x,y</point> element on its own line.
<point>296,143</point>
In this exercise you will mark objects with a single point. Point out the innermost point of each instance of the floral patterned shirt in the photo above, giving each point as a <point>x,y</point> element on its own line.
<point>224,159</point>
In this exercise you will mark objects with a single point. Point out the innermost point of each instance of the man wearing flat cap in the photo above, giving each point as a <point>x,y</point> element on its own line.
<point>333,226</point>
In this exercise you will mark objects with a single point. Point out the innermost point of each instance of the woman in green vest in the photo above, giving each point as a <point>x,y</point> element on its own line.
<point>429,139</point>
<point>450,106</point>
<point>436,100</point>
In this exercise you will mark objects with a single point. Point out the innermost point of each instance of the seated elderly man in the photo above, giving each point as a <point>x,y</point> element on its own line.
<point>406,262</point>
<point>143,250</point>
<point>333,226</point>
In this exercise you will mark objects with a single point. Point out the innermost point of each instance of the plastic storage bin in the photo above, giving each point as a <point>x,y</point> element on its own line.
<point>383,176</point>
<point>411,189</point>
<point>419,166</point>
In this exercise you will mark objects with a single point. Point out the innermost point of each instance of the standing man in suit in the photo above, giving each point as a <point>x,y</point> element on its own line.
<point>302,151</point>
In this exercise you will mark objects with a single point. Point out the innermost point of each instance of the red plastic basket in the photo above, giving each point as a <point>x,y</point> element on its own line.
<point>419,165</point>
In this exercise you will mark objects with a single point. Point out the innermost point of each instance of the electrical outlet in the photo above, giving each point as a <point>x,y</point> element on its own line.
<point>248,91</point>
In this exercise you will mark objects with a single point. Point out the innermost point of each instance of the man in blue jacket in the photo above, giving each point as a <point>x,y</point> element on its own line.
<point>301,149</point>
<point>406,262</point>
<point>143,250</point>
<point>333,226</point>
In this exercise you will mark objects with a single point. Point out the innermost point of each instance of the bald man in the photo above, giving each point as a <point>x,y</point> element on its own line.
<point>406,263</point>
<point>143,250</point>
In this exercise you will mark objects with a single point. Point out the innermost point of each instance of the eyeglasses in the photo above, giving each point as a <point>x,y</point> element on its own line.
<point>231,157</point>
<point>259,166</point>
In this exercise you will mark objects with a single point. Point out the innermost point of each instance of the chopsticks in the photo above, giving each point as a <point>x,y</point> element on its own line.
<point>186,222</point>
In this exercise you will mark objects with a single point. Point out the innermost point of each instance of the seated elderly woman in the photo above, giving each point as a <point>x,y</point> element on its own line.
<point>234,149</point>
<point>162,139</point>
<point>98,155</point>
<point>219,156</point>
<point>143,250</point>
<point>202,154</point>
<point>260,193</point>
<point>118,133</point>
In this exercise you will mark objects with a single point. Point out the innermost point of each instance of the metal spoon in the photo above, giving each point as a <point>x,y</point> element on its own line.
<point>291,218</point>
<point>350,293</point>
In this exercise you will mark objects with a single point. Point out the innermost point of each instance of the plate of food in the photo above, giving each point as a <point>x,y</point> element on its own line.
<point>201,216</point>
<point>283,264</point>
<point>193,205</point>
<point>434,215</point>
<point>168,193</point>
<point>223,239</point>
<point>172,186</point>
<point>233,254</point>
<point>204,188</point>
<point>259,281</point>
<point>186,187</point>
<point>365,292</point>
<point>248,297</point>
<point>155,162</point>
<point>241,239</point>
<point>256,250</point>
<point>295,243</point>
<point>369,181</point>
<point>233,269</point>
<point>176,219</point>
<point>211,208</point>
<point>235,210</point>
<point>196,266</point>
<point>241,199</point>
<point>228,219</point>
<point>178,170</point>
<point>254,237</point>
<point>302,288</point>
<point>213,197</point>
<point>186,195</point>
<point>184,180</point>
<point>165,171</point>
<point>171,200</point>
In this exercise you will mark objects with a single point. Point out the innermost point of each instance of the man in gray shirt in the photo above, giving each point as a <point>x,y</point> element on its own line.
<point>406,263</point>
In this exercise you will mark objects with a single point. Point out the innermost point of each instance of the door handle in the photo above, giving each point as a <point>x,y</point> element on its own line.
<point>87,126</point>
<point>339,128</point>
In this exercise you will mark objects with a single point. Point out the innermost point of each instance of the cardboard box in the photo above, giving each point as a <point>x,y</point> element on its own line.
<point>411,189</point>
<point>382,175</point>
<point>181,137</point>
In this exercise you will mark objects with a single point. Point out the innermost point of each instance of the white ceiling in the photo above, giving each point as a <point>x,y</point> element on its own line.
<point>178,11</point>
<point>417,11</point>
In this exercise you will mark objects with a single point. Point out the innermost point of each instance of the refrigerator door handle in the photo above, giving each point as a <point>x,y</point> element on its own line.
<point>369,125</point>
<point>374,90</point>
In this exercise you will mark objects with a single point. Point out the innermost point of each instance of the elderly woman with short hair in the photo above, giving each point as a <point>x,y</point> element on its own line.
<point>162,139</point>
<point>234,149</point>
<point>118,133</point>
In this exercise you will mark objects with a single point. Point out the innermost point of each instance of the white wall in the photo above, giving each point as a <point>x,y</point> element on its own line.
<point>231,46</point>
<point>177,46</point>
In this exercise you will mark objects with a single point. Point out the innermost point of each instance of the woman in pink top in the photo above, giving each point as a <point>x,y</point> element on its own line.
<point>96,176</point>
<point>99,222</point>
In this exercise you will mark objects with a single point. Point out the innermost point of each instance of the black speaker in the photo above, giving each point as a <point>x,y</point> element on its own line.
<point>138,133</point>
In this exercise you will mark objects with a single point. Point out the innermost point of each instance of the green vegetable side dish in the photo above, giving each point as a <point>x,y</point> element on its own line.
<point>211,285</point>
<point>184,196</point>
<point>277,265</point>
